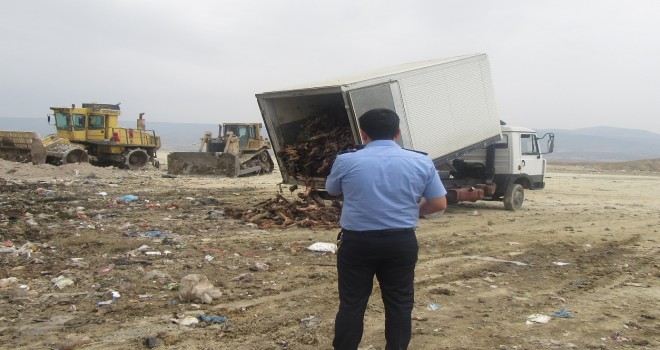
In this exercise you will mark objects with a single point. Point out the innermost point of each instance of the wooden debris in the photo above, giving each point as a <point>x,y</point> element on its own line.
<point>279,212</point>
<point>320,139</point>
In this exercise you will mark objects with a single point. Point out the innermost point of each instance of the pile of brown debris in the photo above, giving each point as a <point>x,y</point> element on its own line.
<point>278,212</point>
<point>320,140</point>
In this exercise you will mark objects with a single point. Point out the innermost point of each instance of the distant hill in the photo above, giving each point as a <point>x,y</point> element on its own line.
<point>603,144</point>
<point>597,144</point>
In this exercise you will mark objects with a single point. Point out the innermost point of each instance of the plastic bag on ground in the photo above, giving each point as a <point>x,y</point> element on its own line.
<point>196,287</point>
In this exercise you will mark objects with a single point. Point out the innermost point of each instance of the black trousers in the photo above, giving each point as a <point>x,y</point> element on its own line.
<point>389,255</point>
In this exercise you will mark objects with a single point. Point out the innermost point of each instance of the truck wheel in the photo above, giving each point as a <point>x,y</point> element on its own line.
<point>514,197</point>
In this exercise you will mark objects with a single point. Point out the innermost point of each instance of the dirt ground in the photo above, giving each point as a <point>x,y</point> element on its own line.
<point>585,248</point>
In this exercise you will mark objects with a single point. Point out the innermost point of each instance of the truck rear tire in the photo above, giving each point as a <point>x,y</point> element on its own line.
<point>514,197</point>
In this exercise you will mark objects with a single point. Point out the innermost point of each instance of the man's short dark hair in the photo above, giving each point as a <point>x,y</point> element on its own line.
<point>380,124</point>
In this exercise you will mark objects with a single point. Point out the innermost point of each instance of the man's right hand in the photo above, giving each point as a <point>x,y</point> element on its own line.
<point>430,206</point>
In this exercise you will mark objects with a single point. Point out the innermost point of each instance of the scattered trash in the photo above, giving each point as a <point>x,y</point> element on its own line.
<point>559,263</point>
<point>563,313</point>
<point>61,282</point>
<point>260,267</point>
<point>44,192</point>
<point>155,274</point>
<point>488,258</point>
<point>103,194</point>
<point>197,287</point>
<point>209,257</point>
<point>310,321</point>
<point>633,284</point>
<point>556,297</point>
<point>432,307</point>
<point>128,198</point>
<point>537,318</point>
<point>186,321</point>
<point>323,247</point>
<point>617,337</point>
<point>144,249</point>
<point>115,296</point>
<point>244,277</point>
<point>551,343</point>
<point>5,282</point>
<point>212,319</point>
<point>152,342</point>
<point>147,234</point>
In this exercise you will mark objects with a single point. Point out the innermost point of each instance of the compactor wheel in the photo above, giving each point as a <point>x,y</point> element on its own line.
<point>136,159</point>
<point>75,156</point>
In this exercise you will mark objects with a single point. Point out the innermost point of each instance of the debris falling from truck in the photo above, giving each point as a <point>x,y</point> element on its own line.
<point>320,139</point>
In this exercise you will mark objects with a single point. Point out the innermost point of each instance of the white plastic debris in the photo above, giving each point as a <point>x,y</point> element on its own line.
<point>187,321</point>
<point>559,263</point>
<point>537,318</point>
<point>323,247</point>
<point>8,281</point>
<point>196,287</point>
<point>61,281</point>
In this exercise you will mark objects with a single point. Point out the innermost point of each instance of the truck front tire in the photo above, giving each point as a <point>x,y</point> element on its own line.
<point>514,197</point>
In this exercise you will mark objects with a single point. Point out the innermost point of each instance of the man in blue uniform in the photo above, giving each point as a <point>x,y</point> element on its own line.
<point>386,189</point>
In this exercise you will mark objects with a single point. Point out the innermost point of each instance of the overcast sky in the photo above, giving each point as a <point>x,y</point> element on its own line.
<point>561,64</point>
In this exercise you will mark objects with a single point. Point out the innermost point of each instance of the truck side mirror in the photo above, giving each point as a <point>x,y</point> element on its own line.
<point>550,143</point>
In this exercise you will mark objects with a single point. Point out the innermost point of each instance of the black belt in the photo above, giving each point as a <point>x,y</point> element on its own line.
<point>391,230</point>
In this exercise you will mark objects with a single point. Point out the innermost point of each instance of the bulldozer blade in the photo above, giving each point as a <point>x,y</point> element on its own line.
<point>22,146</point>
<point>203,163</point>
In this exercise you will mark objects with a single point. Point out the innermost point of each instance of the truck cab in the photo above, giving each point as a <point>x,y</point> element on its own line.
<point>501,171</point>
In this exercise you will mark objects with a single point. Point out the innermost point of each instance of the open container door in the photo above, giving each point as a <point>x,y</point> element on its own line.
<point>385,95</point>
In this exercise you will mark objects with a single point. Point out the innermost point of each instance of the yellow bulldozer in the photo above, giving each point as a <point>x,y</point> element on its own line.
<point>240,150</point>
<point>90,133</point>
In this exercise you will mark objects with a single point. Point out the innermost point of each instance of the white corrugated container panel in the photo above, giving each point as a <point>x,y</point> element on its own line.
<point>450,108</point>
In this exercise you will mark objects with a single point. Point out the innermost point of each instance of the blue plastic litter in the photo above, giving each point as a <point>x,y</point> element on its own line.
<point>433,307</point>
<point>563,313</point>
<point>129,198</point>
<point>154,234</point>
<point>212,319</point>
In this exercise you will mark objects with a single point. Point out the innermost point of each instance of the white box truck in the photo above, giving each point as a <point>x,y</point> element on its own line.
<point>447,110</point>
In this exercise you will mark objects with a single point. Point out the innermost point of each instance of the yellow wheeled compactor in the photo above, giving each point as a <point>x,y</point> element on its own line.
<point>90,133</point>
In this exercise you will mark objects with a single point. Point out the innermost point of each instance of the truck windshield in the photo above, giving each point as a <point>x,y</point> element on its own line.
<point>62,121</point>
